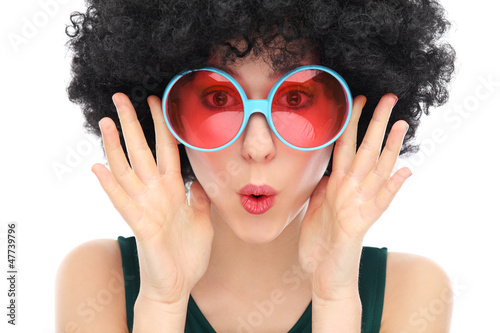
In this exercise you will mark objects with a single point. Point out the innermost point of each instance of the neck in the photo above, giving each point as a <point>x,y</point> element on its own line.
<point>255,268</point>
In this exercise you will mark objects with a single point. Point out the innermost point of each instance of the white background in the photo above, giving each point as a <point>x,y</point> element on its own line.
<point>448,210</point>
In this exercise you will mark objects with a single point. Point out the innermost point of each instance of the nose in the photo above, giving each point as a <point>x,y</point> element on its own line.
<point>258,140</point>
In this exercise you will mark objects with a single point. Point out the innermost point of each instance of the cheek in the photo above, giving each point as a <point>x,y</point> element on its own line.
<point>314,168</point>
<point>318,161</point>
<point>212,171</point>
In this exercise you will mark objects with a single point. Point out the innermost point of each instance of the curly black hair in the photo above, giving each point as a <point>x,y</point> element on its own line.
<point>378,46</point>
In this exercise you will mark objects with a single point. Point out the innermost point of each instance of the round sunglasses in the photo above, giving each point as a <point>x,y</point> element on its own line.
<point>308,108</point>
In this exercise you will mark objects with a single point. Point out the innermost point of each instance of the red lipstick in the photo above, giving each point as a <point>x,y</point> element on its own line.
<point>257,199</point>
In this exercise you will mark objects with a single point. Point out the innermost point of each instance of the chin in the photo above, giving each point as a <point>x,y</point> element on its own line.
<point>258,230</point>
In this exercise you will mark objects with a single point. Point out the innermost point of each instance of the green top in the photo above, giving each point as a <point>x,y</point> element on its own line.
<point>372,272</point>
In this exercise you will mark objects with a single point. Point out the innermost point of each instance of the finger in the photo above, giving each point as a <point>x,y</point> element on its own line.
<point>383,199</point>
<point>125,205</point>
<point>139,153</point>
<point>309,229</point>
<point>379,175</point>
<point>345,146</point>
<point>167,151</point>
<point>369,150</point>
<point>117,161</point>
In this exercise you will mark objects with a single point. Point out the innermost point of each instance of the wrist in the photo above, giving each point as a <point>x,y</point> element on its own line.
<point>155,316</point>
<point>338,277</point>
<point>331,289</point>
<point>176,307</point>
<point>342,313</point>
<point>335,295</point>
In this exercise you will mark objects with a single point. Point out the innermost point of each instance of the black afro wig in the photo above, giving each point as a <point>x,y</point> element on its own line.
<point>379,46</point>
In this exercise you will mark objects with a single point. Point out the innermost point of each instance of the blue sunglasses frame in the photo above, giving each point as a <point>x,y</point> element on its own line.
<point>251,106</point>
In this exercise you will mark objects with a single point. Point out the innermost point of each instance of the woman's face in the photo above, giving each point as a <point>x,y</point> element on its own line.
<point>258,163</point>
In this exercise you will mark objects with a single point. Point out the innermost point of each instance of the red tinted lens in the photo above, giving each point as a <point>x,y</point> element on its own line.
<point>205,109</point>
<point>309,108</point>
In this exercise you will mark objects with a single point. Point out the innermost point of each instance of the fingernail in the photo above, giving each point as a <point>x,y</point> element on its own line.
<point>364,103</point>
<point>100,124</point>
<point>395,101</point>
<point>113,98</point>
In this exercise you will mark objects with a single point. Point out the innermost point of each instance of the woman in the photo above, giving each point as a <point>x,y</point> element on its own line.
<point>271,237</point>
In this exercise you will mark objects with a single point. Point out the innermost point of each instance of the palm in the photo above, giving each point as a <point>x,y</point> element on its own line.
<point>174,240</point>
<point>173,236</point>
<point>344,206</point>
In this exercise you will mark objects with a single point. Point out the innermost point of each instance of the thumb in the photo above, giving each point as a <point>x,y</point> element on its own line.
<point>198,199</point>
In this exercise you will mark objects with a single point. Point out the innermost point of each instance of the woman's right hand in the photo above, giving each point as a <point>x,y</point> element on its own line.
<point>174,237</point>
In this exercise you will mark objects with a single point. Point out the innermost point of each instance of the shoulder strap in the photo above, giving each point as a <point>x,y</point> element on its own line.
<point>130,264</point>
<point>372,271</point>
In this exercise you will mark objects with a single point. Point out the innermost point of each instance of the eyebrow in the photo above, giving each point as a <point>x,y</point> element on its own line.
<point>272,76</point>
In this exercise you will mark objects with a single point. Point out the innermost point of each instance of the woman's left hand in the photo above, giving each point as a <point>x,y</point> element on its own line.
<point>345,205</point>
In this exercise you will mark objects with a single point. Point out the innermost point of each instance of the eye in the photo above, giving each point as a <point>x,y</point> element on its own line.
<point>220,97</point>
<point>293,98</point>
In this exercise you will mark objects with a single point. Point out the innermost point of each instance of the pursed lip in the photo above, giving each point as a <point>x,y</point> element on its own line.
<point>257,190</point>
<point>257,199</point>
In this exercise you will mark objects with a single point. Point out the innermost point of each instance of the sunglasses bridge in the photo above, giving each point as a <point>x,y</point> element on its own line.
<point>252,106</point>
